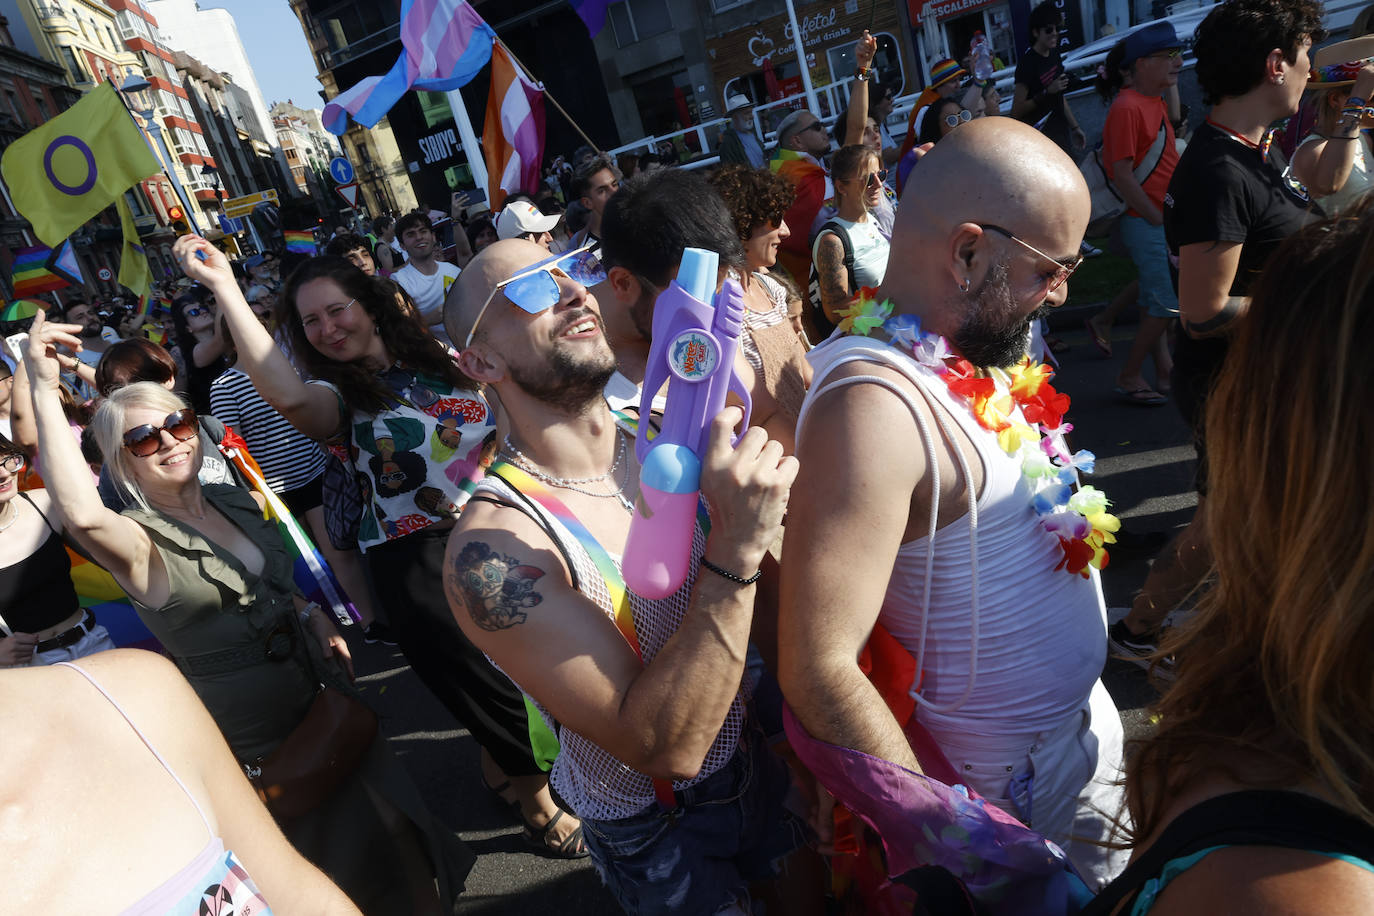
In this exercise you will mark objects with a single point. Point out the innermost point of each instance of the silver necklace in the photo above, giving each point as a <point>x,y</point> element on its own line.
<point>14,516</point>
<point>572,483</point>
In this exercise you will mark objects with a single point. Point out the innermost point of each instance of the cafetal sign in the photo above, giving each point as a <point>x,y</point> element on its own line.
<point>815,28</point>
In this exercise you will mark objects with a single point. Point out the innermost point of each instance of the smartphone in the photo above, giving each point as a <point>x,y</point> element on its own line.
<point>17,343</point>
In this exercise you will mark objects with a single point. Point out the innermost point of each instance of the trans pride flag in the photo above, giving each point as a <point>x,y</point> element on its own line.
<point>444,44</point>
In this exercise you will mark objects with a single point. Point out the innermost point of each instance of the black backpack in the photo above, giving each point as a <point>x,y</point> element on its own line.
<point>823,325</point>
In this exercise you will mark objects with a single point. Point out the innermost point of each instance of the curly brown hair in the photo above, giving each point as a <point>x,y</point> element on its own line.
<point>755,197</point>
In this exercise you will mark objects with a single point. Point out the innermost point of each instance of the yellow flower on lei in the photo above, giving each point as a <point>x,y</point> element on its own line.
<point>865,313</point>
<point>1027,377</point>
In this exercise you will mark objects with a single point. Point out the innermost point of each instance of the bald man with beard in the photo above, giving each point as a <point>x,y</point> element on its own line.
<point>653,735</point>
<point>1007,683</point>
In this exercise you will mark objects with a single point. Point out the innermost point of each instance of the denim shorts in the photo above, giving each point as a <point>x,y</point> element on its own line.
<point>728,830</point>
<point>1150,253</point>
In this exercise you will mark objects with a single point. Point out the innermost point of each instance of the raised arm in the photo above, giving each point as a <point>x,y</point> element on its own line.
<point>510,593</point>
<point>857,118</point>
<point>860,463</point>
<point>312,409</point>
<point>1325,165</point>
<point>117,543</point>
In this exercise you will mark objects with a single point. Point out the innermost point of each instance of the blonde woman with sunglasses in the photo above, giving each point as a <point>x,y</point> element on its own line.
<point>212,580</point>
<point>390,401</point>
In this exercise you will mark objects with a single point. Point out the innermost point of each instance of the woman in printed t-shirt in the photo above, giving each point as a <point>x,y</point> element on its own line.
<point>414,428</point>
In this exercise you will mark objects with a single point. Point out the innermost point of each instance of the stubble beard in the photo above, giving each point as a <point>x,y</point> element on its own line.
<point>565,382</point>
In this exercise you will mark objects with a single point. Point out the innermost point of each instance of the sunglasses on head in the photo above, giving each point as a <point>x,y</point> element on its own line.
<point>535,288</point>
<point>963,117</point>
<point>145,440</point>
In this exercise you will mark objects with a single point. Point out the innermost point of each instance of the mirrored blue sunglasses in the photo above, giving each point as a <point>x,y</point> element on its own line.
<point>535,288</point>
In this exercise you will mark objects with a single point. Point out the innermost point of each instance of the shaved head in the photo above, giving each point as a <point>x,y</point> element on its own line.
<point>495,263</point>
<point>987,219</point>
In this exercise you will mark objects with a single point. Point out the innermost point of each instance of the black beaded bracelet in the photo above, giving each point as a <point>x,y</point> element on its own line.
<point>726,574</point>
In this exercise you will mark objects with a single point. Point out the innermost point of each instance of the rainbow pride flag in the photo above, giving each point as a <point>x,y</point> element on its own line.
<point>31,274</point>
<point>300,241</point>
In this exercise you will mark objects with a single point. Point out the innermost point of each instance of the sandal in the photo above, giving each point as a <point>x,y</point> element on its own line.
<point>573,846</point>
<point>1144,396</point>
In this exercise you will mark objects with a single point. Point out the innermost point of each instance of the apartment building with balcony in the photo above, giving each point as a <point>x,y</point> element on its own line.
<point>308,147</point>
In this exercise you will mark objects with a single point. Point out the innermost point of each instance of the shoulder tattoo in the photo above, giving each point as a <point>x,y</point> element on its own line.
<point>494,588</point>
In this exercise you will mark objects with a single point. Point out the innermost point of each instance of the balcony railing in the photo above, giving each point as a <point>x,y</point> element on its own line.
<point>362,46</point>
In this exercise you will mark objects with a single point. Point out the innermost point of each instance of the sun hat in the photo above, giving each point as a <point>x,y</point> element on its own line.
<point>1157,36</point>
<point>737,101</point>
<point>944,71</point>
<point>521,217</point>
<point>1337,65</point>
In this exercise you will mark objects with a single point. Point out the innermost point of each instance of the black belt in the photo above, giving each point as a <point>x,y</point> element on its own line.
<point>279,645</point>
<point>68,637</point>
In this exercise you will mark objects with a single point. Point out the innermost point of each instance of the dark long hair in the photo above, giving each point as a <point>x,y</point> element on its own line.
<point>406,340</point>
<point>198,378</point>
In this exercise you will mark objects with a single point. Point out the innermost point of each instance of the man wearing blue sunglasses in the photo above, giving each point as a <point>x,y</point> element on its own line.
<point>653,721</point>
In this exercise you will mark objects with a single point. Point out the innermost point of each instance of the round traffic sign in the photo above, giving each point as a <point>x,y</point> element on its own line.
<point>341,170</point>
<point>105,274</point>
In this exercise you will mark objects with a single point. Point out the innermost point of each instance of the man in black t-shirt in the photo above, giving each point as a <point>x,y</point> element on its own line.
<point>1041,82</point>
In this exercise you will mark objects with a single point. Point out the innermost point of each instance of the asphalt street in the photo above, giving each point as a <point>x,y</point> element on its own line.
<point>1144,465</point>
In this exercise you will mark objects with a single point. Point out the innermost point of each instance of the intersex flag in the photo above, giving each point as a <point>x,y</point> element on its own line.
<point>77,164</point>
<point>513,135</point>
<point>444,44</point>
<point>309,570</point>
<point>300,241</point>
<point>134,271</point>
<point>31,274</point>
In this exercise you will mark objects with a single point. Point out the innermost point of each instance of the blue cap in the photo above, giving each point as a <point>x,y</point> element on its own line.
<point>1157,36</point>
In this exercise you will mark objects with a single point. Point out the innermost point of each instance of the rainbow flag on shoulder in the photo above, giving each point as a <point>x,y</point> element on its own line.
<point>300,241</point>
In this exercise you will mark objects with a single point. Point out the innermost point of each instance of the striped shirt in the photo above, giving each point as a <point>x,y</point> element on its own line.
<point>288,459</point>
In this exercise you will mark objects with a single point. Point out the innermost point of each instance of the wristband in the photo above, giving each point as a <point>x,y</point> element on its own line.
<point>726,574</point>
<point>863,73</point>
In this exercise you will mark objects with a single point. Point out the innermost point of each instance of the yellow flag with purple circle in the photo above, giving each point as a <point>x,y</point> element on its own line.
<point>77,164</point>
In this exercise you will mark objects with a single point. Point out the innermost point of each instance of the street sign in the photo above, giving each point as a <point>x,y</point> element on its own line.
<point>349,192</point>
<point>341,170</point>
<point>229,225</point>
<point>242,206</point>
<point>105,274</point>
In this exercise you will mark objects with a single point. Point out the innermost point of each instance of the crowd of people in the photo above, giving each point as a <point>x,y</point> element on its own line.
<point>893,584</point>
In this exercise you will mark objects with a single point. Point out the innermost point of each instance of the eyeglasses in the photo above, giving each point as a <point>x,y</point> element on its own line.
<point>872,179</point>
<point>535,289</point>
<point>1169,54</point>
<point>815,125</point>
<point>13,463</point>
<point>196,311</point>
<point>963,117</point>
<point>1066,266</point>
<point>145,440</point>
<point>408,387</point>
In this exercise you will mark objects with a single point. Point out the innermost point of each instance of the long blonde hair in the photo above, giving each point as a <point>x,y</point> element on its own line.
<point>108,427</point>
<point>1276,666</point>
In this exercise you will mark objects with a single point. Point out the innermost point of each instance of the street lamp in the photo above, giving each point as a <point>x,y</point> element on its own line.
<point>135,88</point>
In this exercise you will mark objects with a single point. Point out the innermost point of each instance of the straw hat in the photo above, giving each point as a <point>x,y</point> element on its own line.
<point>737,102</point>
<point>1335,66</point>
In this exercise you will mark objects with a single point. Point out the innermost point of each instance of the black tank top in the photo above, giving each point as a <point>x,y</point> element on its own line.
<point>37,592</point>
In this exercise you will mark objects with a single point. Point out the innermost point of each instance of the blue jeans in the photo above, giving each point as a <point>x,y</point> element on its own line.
<point>1151,255</point>
<point>728,830</point>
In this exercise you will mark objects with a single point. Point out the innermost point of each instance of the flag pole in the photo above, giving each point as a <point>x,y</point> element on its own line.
<point>477,161</point>
<point>548,95</point>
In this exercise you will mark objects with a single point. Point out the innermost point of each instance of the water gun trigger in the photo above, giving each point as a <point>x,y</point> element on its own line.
<point>741,391</point>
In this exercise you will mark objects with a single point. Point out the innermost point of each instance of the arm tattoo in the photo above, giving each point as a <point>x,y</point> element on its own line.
<point>832,276</point>
<point>493,587</point>
<point>1223,322</point>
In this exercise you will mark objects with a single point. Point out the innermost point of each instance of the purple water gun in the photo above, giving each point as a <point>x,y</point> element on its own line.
<point>694,351</point>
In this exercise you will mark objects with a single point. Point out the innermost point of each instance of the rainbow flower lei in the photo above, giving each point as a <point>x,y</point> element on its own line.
<point>1026,413</point>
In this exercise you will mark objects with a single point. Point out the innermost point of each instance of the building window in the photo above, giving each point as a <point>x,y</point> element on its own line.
<point>43,110</point>
<point>15,110</point>
<point>720,6</point>
<point>634,20</point>
<point>78,72</point>
<point>887,62</point>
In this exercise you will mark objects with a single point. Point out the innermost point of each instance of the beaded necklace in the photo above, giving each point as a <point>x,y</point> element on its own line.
<point>1026,414</point>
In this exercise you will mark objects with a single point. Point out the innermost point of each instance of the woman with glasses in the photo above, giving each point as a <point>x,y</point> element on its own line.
<point>390,402</point>
<point>196,345</point>
<point>943,117</point>
<point>212,580</point>
<point>849,252</point>
<point>41,622</point>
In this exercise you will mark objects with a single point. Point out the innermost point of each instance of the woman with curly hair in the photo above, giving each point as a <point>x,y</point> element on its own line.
<point>1255,793</point>
<point>1228,207</point>
<point>381,385</point>
<point>757,199</point>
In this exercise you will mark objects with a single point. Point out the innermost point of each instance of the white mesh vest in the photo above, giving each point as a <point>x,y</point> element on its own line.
<point>588,778</point>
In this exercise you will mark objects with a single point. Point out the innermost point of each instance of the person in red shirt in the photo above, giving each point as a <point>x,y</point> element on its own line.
<point>1139,153</point>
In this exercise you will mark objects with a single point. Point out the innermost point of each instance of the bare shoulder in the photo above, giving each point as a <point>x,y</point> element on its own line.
<point>151,692</point>
<point>1267,881</point>
<point>499,567</point>
<point>869,417</point>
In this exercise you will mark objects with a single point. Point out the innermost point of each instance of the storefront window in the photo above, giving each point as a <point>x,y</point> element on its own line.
<point>637,19</point>
<point>887,62</point>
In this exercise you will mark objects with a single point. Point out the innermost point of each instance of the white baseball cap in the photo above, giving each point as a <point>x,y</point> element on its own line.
<point>521,217</point>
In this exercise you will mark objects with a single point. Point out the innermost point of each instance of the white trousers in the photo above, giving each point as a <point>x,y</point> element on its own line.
<point>97,640</point>
<point>1065,782</point>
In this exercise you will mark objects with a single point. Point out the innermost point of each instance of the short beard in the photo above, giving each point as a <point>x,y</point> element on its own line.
<point>564,384</point>
<point>990,335</point>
